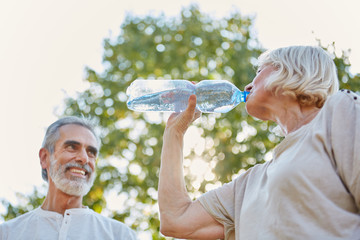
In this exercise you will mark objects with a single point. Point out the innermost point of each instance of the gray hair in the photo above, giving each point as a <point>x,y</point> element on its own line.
<point>52,135</point>
<point>308,73</point>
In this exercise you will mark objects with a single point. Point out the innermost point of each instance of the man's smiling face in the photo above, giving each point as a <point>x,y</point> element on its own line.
<point>72,165</point>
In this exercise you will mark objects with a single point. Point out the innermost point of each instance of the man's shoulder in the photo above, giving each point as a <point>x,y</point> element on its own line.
<point>18,221</point>
<point>115,225</point>
<point>109,220</point>
<point>100,216</point>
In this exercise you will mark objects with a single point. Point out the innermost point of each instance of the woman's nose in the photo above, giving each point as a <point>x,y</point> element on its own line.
<point>248,87</point>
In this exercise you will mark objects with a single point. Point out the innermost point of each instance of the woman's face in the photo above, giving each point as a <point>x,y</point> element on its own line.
<point>257,103</point>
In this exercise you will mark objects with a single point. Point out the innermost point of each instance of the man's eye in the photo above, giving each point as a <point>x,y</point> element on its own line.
<point>92,153</point>
<point>71,147</point>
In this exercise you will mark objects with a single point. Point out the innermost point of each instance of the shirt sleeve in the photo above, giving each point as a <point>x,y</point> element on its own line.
<point>125,232</point>
<point>219,203</point>
<point>223,202</point>
<point>130,235</point>
<point>345,140</point>
<point>2,231</point>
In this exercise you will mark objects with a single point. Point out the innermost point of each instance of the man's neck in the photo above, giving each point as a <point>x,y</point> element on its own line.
<point>58,201</point>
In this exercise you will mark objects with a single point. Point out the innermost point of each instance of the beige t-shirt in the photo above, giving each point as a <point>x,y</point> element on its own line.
<point>311,188</point>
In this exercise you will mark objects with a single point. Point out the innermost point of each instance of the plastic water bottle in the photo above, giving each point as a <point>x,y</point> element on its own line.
<point>213,96</point>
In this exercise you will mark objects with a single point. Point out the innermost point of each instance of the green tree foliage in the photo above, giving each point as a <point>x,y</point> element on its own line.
<point>193,46</point>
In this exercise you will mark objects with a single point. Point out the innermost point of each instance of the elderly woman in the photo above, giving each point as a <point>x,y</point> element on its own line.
<point>311,187</point>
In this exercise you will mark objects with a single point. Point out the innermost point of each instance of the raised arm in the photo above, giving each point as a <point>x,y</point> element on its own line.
<point>180,216</point>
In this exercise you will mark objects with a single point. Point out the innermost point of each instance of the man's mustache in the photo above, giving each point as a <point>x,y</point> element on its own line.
<point>85,167</point>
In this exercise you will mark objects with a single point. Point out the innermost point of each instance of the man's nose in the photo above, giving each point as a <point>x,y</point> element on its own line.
<point>82,156</point>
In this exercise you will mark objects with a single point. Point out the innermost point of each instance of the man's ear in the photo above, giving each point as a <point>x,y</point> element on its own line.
<point>44,156</point>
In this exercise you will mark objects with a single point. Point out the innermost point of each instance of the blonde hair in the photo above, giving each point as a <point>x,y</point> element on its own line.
<point>307,73</point>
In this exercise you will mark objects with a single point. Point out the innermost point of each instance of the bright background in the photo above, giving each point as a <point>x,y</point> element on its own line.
<point>46,44</point>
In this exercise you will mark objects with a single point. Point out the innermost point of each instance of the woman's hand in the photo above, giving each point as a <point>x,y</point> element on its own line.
<point>179,122</point>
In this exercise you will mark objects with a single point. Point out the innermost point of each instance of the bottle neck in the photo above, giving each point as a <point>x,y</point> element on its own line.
<point>240,96</point>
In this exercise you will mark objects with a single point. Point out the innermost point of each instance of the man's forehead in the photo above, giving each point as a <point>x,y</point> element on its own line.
<point>78,133</point>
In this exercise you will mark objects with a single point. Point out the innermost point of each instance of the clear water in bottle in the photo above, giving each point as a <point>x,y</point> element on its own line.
<point>213,96</point>
<point>159,95</point>
<point>218,96</point>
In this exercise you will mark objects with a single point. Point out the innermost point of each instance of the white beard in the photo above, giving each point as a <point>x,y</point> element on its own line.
<point>74,186</point>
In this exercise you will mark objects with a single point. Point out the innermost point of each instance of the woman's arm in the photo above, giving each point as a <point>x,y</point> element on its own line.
<point>179,216</point>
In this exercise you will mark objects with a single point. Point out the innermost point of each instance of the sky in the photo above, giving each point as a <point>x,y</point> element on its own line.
<point>45,46</point>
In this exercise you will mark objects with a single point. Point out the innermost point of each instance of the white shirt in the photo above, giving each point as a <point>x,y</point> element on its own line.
<point>311,188</point>
<point>77,223</point>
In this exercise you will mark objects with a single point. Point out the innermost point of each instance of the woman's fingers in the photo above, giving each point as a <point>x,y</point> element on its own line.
<point>190,110</point>
<point>181,121</point>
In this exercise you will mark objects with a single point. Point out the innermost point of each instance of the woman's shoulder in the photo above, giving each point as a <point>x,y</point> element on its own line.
<point>344,95</point>
<point>343,101</point>
<point>341,111</point>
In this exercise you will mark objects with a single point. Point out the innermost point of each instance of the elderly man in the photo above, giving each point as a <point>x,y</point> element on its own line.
<point>67,158</point>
